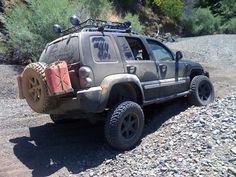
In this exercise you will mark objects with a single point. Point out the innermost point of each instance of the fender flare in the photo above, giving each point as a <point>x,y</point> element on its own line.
<point>109,81</point>
<point>199,70</point>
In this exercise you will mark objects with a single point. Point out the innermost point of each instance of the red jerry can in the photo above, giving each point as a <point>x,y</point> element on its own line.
<point>58,79</point>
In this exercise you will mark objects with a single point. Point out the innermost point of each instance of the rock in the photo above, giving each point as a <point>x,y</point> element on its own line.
<point>164,169</point>
<point>194,135</point>
<point>232,170</point>
<point>233,150</point>
<point>215,132</point>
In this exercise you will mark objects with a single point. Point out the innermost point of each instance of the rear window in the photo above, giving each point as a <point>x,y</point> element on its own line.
<point>66,49</point>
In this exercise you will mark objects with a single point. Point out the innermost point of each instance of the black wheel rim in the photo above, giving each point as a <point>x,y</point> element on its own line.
<point>129,126</point>
<point>204,91</point>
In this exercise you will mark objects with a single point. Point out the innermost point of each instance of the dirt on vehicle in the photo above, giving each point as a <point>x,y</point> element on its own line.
<point>184,141</point>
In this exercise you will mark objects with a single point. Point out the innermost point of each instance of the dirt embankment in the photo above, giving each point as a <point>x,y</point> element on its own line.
<point>178,140</point>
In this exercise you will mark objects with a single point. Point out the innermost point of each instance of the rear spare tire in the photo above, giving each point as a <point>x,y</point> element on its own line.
<point>34,88</point>
<point>202,91</point>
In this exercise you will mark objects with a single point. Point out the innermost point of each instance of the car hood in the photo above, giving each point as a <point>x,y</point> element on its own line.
<point>191,63</point>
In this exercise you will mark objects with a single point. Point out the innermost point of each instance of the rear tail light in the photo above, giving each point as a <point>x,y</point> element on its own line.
<point>85,77</point>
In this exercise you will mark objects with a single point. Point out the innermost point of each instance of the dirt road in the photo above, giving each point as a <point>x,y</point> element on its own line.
<point>177,140</point>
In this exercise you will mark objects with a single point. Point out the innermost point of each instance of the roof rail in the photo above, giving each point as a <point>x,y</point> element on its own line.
<point>96,25</point>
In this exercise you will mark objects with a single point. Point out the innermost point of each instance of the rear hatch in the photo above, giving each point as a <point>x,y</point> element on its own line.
<point>65,48</point>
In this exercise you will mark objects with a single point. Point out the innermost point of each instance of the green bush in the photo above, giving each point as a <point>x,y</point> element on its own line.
<point>134,19</point>
<point>172,8</point>
<point>30,25</point>
<point>230,26</point>
<point>224,8</point>
<point>97,8</point>
<point>200,22</point>
<point>127,2</point>
<point>227,9</point>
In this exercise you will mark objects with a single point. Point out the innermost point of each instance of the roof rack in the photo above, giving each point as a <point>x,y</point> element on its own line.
<point>94,25</point>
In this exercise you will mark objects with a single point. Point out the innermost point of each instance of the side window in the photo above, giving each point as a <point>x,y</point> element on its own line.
<point>133,48</point>
<point>125,49</point>
<point>102,49</point>
<point>159,52</point>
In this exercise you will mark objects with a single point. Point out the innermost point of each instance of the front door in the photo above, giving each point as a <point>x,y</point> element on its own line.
<point>137,61</point>
<point>172,80</point>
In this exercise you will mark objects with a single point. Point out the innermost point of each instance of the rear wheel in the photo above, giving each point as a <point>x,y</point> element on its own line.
<point>124,125</point>
<point>202,91</point>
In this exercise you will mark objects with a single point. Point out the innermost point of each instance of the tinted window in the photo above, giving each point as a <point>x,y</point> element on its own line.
<point>125,49</point>
<point>63,50</point>
<point>133,48</point>
<point>160,53</point>
<point>138,50</point>
<point>102,49</point>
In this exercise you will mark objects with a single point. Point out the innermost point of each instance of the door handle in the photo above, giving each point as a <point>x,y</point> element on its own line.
<point>131,69</point>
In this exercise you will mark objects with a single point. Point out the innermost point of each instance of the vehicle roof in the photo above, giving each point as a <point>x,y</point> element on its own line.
<point>94,32</point>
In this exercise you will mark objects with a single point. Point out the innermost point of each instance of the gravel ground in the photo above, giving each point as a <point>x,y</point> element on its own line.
<point>186,141</point>
<point>217,53</point>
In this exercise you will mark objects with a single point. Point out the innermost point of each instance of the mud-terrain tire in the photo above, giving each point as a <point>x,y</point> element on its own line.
<point>202,91</point>
<point>34,88</point>
<point>124,125</point>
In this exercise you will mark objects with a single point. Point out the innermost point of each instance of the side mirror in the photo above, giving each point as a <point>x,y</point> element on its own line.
<point>57,28</point>
<point>74,20</point>
<point>178,55</point>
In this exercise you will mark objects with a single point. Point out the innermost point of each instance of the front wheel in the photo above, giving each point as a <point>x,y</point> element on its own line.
<point>202,91</point>
<point>124,125</point>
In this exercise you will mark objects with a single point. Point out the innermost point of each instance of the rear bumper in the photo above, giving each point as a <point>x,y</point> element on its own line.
<point>90,100</point>
<point>87,101</point>
<point>19,82</point>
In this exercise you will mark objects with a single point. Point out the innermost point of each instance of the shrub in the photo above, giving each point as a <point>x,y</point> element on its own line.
<point>224,8</point>
<point>227,8</point>
<point>230,26</point>
<point>97,8</point>
<point>200,22</point>
<point>172,8</point>
<point>30,25</point>
<point>134,19</point>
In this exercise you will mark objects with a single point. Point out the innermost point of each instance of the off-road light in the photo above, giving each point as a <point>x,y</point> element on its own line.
<point>74,20</point>
<point>57,28</point>
<point>127,24</point>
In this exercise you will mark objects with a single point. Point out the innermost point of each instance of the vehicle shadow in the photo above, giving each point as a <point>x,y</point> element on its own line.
<point>79,145</point>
